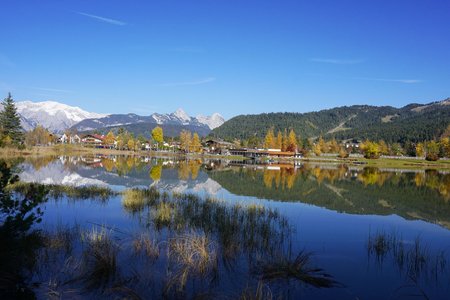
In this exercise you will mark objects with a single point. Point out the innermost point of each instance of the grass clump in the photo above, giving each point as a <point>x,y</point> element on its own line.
<point>144,244</point>
<point>194,250</point>
<point>299,269</point>
<point>193,254</point>
<point>135,199</point>
<point>163,214</point>
<point>99,259</point>
<point>261,292</point>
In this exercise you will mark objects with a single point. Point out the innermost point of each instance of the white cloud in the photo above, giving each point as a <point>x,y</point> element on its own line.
<point>407,81</point>
<point>337,61</point>
<point>103,19</point>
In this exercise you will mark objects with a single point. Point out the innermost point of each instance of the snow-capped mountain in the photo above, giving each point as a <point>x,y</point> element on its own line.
<point>177,118</point>
<point>213,121</point>
<point>111,121</point>
<point>55,116</point>
<point>182,118</point>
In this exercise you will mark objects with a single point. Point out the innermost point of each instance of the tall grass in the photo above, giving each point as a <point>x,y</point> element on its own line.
<point>99,259</point>
<point>135,199</point>
<point>415,259</point>
<point>193,254</point>
<point>299,268</point>
<point>143,244</point>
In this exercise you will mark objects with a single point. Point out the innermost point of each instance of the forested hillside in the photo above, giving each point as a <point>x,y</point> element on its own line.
<point>413,122</point>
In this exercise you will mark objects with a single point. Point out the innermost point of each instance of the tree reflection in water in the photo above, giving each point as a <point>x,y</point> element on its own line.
<point>19,243</point>
<point>188,246</point>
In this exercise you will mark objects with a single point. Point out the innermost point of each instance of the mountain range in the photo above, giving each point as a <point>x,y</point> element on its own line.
<point>58,117</point>
<point>413,122</point>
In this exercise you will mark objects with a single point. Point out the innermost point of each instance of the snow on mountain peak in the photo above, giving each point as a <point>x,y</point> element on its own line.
<point>182,115</point>
<point>213,121</point>
<point>53,115</point>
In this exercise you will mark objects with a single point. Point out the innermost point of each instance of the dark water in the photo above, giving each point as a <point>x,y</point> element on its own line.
<point>357,233</point>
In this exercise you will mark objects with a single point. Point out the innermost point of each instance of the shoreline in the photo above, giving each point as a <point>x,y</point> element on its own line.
<point>70,150</point>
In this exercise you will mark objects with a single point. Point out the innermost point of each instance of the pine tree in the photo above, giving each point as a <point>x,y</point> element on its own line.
<point>10,122</point>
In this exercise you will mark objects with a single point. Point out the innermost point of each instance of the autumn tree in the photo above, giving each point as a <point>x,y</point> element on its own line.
<point>195,145</point>
<point>10,128</point>
<point>131,144</point>
<point>370,149</point>
<point>322,145</point>
<point>432,151</point>
<point>269,141</point>
<point>444,145</point>
<point>185,140</point>
<point>292,142</point>
<point>285,141</point>
<point>109,139</point>
<point>383,147</point>
<point>38,136</point>
<point>334,146</point>
<point>317,149</point>
<point>279,140</point>
<point>157,135</point>
<point>420,150</point>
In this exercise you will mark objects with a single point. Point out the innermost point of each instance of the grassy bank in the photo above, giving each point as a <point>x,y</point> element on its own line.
<point>73,150</point>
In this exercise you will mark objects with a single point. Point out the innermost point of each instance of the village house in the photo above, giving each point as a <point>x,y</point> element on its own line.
<point>70,139</point>
<point>218,146</point>
<point>93,139</point>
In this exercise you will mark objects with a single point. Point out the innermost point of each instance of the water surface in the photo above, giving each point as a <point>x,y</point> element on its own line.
<point>373,234</point>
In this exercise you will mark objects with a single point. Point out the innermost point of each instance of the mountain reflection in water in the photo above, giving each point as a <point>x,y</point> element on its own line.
<point>264,231</point>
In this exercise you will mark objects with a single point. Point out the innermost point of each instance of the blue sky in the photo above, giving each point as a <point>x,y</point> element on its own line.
<point>231,57</point>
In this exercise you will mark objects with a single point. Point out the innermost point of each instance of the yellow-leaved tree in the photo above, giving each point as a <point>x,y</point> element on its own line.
<point>269,141</point>
<point>196,145</point>
<point>185,140</point>
<point>157,135</point>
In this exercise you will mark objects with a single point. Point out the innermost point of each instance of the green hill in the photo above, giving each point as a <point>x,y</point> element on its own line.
<point>414,122</point>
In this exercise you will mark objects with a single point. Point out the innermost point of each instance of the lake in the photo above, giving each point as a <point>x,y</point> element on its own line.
<point>170,228</point>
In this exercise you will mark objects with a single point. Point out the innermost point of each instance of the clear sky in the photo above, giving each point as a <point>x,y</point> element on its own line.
<point>226,56</point>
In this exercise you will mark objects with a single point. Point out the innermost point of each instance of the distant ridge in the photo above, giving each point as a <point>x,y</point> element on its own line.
<point>413,122</point>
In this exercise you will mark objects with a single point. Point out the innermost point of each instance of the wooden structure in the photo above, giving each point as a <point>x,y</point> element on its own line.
<point>256,153</point>
<point>216,146</point>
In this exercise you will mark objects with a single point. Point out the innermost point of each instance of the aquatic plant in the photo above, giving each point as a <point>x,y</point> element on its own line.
<point>261,292</point>
<point>146,245</point>
<point>193,254</point>
<point>135,199</point>
<point>284,267</point>
<point>99,259</point>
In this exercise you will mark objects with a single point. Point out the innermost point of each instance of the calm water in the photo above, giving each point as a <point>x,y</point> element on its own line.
<point>370,233</point>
